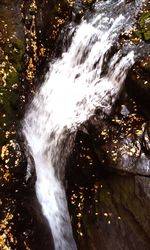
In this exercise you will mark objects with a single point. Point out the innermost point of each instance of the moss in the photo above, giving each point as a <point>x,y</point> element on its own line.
<point>9,99</point>
<point>16,53</point>
<point>137,33</point>
<point>12,78</point>
<point>147,36</point>
<point>142,30</point>
<point>8,103</point>
<point>144,25</point>
<point>144,18</point>
<point>9,93</point>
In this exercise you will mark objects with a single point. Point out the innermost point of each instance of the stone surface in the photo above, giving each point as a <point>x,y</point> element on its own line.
<point>114,214</point>
<point>121,143</point>
<point>138,84</point>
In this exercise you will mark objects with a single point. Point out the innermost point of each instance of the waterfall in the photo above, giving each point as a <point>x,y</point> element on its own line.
<point>85,77</point>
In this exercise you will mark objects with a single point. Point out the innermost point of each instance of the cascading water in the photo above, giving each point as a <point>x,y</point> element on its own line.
<point>75,85</point>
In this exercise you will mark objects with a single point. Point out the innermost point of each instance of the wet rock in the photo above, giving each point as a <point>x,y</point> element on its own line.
<point>114,215</point>
<point>126,152</point>
<point>22,223</point>
<point>109,211</point>
<point>121,144</point>
<point>138,84</point>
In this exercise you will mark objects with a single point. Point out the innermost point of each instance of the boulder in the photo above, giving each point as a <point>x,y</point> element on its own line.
<point>113,213</point>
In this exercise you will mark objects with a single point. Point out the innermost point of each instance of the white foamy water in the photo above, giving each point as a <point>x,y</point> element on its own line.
<point>75,85</point>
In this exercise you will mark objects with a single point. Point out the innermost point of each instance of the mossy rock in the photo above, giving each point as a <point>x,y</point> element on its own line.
<point>147,36</point>
<point>12,78</point>
<point>143,29</point>
<point>144,18</point>
<point>15,54</point>
<point>12,59</point>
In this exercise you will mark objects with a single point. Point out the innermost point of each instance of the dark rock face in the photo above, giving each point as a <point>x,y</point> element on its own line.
<point>138,84</point>
<point>121,142</point>
<point>124,147</point>
<point>114,215</point>
<point>22,223</point>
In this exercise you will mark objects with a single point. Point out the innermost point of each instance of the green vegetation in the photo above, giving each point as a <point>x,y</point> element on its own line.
<point>15,53</point>
<point>9,86</point>
<point>143,29</point>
